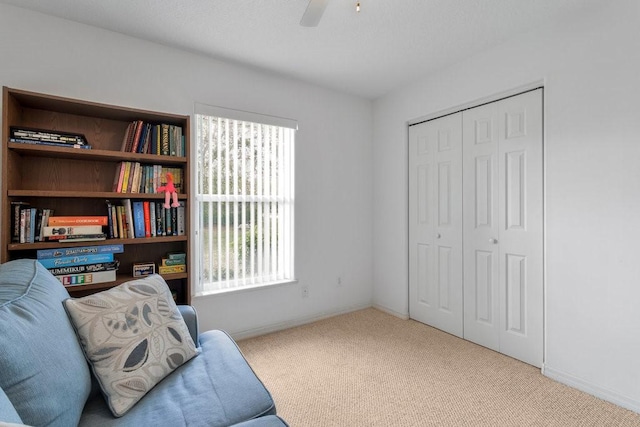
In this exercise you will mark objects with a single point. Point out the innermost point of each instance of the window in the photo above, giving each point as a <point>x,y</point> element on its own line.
<point>245,199</point>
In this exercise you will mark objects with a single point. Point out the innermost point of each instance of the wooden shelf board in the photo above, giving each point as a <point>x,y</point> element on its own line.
<point>50,245</point>
<point>92,155</point>
<point>89,194</point>
<point>119,280</point>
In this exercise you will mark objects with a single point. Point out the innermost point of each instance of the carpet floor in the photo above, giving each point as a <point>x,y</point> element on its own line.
<point>368,368</point>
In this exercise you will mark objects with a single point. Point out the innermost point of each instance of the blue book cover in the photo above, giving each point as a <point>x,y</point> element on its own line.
<point>80,250</point>
<point>75,260</point>
<point>138,219</point>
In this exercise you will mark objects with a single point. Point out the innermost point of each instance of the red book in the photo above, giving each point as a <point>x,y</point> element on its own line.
<point>78,220</point>
<point>147,219</point>
<point>136,137</point>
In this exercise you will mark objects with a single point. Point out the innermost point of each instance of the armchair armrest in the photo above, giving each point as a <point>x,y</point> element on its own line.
<point>191,319</point>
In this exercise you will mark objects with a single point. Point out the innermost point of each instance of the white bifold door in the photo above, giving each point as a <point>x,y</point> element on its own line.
<point>500,293</point>
<point>435,215</point>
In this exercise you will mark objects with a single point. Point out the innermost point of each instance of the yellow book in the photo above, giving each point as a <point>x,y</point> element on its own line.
<point>171,269</point>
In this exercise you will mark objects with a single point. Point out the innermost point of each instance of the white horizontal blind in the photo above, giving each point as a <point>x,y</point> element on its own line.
<point>245,203</point>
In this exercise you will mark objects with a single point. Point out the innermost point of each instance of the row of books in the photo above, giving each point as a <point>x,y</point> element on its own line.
<point>46,137</point>
<point>139,219</point>
<point>147,138</point>
<point>134,177</point>
<point>82,265</point>
<point>31,224</point>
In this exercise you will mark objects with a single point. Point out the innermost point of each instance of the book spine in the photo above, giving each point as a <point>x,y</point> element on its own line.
<point>81,250</point>
<point>129,217</point>
<point>52,144</point>
<point>160,231</point>
<point>136,137</point>
<point>89,268</point>
<point>75,260</point>
<point>138,219</point>
<point>87,278</point>
<point>167,222</point>
<point>32,225</point>
<point>152,218</point>
<point>78,238</point>
<point>165,140</point>
<point>63,231</point>
<point>147,218</point>
<point>77,220</point>
<point>16,207</point>
<point>121,222</point>
<point>38,229</point>
<point>109,219</point>
<point>181,220</point>
<point>174,221</point>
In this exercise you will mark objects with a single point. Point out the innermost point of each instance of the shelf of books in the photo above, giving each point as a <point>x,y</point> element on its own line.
<point>83,191</point>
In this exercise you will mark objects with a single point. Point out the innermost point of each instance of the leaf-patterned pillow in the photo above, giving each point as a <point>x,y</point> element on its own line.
<point>133,336</point>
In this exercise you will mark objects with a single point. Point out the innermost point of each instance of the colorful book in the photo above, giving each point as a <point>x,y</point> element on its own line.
<point>147,218</point>
<point>76,260</point>
<point>77,220</point>
<point>138,219</point>
<point>128,211</point>
<point>87,278</point>
<point>80,250</point>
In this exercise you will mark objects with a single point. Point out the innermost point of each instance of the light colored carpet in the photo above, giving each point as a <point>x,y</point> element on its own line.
<point>368,368</point>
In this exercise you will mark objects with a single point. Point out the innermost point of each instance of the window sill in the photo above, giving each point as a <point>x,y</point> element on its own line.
<point>252,288</point>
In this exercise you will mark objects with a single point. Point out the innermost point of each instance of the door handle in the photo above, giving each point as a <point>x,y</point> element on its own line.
<point>438,236</point>
<point>494,241</point>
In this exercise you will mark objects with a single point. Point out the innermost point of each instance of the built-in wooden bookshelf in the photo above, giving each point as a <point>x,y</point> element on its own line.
<point>78,182</point>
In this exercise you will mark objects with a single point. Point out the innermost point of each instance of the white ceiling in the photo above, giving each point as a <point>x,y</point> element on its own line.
<point>388,44</point>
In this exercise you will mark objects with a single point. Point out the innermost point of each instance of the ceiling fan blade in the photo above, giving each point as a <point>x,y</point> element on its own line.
<point>314,12</point>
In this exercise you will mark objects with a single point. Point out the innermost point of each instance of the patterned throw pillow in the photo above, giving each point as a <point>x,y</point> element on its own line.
<point>133,336</point>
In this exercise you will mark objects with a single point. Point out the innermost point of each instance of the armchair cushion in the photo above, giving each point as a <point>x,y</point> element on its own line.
<point>133,336</point>
<point>42,369</point>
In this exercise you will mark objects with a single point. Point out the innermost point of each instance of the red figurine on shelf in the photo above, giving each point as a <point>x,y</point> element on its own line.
<point>170,193</point>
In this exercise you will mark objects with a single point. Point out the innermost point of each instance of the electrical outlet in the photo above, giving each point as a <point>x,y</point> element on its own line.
<point>305,291</point>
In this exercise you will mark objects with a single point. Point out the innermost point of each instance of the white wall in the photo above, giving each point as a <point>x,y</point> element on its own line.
<point>333,150</point>
<point>590,66</point>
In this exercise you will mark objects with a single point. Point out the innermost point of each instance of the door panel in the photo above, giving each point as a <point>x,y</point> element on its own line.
<point>481,226</point>
<point>435,218</point>
<point>521,234</point>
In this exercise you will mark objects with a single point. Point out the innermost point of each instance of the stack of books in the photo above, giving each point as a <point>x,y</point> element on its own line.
<point>67,229</point>
<point>173,262</point>
<point>45,137</point>
<point>82,265</point>
<point>162,139</point>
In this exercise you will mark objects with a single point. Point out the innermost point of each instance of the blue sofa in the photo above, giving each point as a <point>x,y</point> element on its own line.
<point>46,380</point>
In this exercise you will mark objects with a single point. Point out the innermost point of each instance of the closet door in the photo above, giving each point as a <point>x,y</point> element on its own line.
<point>435,223</point>
<point>503,258</point>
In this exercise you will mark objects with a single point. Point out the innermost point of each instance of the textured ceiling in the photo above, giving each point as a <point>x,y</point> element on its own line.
<point>388,44</point>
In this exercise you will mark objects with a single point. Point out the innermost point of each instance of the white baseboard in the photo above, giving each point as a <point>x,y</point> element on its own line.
<point>403,316</point>
<point>592,389</point>
<point>267,329</point>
